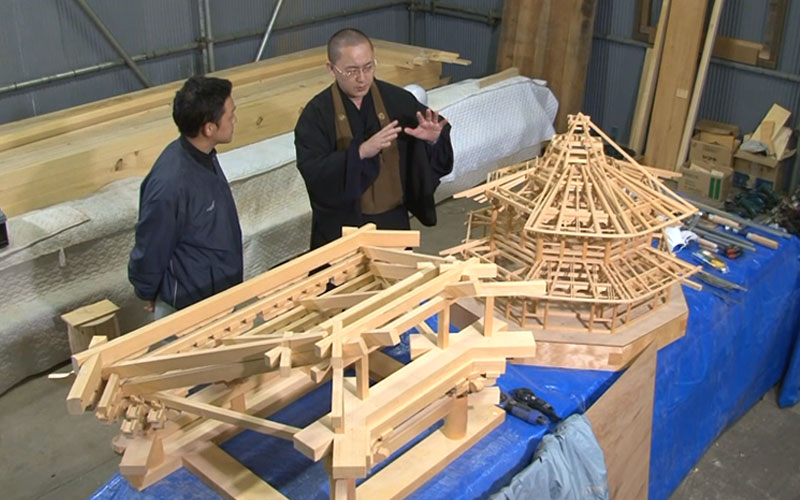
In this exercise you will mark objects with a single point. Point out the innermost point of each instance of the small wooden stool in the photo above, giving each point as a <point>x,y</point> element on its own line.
<point>85,322</point>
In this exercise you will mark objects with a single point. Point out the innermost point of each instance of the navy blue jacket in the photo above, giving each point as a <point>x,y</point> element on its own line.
<point>188,239</point>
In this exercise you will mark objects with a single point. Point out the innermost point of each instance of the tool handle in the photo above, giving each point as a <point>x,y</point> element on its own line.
<point>724,221</point>
<point>763,240</point>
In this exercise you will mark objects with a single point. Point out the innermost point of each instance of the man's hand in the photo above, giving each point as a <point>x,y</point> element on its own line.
<point>380,141</point>
<point>150,305</point>
<point>429,127</point>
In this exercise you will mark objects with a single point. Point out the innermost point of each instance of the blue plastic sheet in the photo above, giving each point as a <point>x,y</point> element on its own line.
<point>732,353</point>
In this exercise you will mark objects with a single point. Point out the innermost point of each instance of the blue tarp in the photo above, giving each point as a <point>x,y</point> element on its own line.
<point>731,355</point>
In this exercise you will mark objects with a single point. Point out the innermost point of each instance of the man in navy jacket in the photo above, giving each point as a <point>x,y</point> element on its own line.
<point>188,239</point>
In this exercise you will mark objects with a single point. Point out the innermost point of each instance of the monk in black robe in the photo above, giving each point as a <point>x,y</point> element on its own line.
<point>368,151</point>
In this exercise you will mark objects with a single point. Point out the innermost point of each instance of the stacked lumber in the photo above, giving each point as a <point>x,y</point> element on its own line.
<point>263,344</point>
<point>70,154</point>
<point>673,81</point>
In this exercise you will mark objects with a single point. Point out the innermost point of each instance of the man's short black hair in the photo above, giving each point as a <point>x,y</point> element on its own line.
<point>345,38</point>
<point>199,101</point>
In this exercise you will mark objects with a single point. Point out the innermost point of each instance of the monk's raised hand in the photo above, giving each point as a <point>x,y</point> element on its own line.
<point>429,126</point>
<point>380,141</point>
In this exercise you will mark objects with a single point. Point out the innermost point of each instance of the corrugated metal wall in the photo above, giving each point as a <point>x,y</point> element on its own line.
<point>40,38</point>
<point>734,93</point>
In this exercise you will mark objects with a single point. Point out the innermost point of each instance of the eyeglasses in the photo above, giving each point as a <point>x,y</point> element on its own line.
<point>365,70</point>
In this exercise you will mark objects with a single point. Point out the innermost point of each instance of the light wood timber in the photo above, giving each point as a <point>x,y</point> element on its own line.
<point>141,454</point>
<point>427,458</point>
<point>122,136</point>
<point>227,476</point>
<point>86,387</point>
<point>625,436</point>
<point>647,83</point>
<point>243,420</point>
<point>673,90</point>
<point>699,83</point>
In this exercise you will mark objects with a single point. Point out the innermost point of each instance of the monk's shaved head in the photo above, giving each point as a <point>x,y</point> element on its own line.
<point>347,37</point>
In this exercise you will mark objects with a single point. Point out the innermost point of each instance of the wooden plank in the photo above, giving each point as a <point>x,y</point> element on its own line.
<point>647,83</point>
<point>86,387</point>
<point>141,454</point>
<point>129,144</point>
<point>236,418</point>
<point>699,83</point>
<point>550,39</point>
<point>736,49</point>
<point>414,467</point>
<point>227,476</point>
<point>685,28</point>
<point>340,301</point>
<point>498,77</point>
<point>622,423</point>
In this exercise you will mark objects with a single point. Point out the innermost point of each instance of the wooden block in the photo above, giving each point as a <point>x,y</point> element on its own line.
<point>625,436</point>
<point>141,454</point>
<point>84,323</point>
<point>315,440</point>
<point>419,344</point>
<point>427,458</point>
<point>86,387</point>
<point>286,361</point>
<point>498,77</point>
<point>227,476</point>
<point>344,489</point>
<point>488,396</point>
<point>350,452</point>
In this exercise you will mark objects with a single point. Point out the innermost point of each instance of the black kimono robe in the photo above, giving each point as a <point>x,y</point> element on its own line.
<point>335,180</point>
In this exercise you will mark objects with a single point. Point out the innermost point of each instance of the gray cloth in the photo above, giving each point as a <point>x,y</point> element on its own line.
<point>567,465</point>
<point>162,310</point>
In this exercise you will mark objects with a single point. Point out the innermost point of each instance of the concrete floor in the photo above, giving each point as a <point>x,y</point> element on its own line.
<point>47,454</point>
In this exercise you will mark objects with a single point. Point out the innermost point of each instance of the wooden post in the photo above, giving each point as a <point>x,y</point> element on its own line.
<point>455,424</point>
<point>443,337</point>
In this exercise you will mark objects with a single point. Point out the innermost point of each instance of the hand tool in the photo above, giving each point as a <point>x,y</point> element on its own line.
<point>529,398</point>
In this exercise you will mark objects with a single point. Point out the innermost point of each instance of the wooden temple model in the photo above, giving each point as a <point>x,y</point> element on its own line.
<point>591,227</point>
<point>185,383</point>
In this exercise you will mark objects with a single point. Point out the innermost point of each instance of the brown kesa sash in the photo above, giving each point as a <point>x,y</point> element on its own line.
<point>386,192</point>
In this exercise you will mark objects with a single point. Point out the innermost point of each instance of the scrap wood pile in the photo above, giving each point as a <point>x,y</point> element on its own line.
<point>70,154</point>
<point>584,222</point>
<point>190,380</point>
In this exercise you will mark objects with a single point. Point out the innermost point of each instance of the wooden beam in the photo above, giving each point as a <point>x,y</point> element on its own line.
<point>675,81</point>
<point>86,387</point>
<point>647,83</point>
<point>227,476</point>
<point>551,40</point>
<point>625,436</point>
<point>427,458</point>
<point>238,419</point>
<point>699,83</point>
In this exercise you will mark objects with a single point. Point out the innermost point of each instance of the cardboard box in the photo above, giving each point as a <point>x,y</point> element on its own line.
<point>723,134</point>
<point>711,155</point>
<point>752,171</point>
<point>710,185</point>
